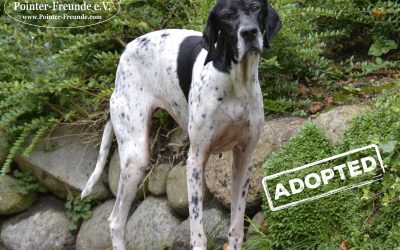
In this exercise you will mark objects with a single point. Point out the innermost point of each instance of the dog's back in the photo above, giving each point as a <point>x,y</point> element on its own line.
<point>150,62</point>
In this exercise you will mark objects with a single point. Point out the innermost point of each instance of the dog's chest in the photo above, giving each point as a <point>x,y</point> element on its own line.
<point>224,110</point>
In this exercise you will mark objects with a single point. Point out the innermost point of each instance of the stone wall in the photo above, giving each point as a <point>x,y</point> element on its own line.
<point>159,215</point>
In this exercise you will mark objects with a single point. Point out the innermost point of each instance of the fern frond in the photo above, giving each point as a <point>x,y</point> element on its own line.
<point>44,126</point>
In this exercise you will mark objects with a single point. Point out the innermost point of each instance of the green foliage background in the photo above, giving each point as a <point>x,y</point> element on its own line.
<point>53,76</point>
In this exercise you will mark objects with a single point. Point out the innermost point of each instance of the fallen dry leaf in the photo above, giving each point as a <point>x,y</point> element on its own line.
<point>351,79</point>
<point>315,107</point>
<point>365,95</point>
<point>344,246</point>
<point>225,246</point>
<point>329,100</point>
<point>302,89</point>
<point>379,12</point>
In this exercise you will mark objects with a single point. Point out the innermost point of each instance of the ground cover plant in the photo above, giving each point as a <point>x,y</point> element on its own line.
<point>328,53</point>
<point>362,218</point>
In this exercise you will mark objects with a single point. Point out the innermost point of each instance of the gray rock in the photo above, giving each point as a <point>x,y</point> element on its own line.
<point>2,247</point>
<point>257,224</point>
<point>151,226</point>
<point>158,179</point>
<point>177,190</point>
<point>64,163</point>
<point>43,226</point>
<point>218,171</point>
<point>12,202</point>
<point>94,233</point>
<point>177,139</point>
<point>335,122</point>
<point>216,227</point>
<point>113,178</point>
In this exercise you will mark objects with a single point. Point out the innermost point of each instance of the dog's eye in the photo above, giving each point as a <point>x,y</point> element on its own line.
<point>255,8</point>
<point>227,16</point>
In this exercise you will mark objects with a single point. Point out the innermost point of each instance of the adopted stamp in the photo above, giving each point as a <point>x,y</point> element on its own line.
<point>355,168</point>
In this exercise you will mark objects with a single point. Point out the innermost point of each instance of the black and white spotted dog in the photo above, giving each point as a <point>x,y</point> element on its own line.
<point>208,82</point>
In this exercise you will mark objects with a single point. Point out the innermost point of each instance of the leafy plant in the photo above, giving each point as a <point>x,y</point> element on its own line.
<point>53,76</point>
<point>28,183</point>
<point>381,46</point>
<point>363,217</point>
<point>77,210</point>
<point>323,41</point>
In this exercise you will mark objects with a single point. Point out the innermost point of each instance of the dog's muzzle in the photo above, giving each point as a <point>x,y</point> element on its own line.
<point>250,35</point>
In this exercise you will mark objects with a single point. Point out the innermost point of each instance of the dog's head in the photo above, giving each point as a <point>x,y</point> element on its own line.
<point>238,27</point>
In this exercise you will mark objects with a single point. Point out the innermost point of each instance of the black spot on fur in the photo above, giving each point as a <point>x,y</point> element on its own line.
<point>143,42</point>
<point>169,69</point>
<point>188,52</point>
<point>243,193</point>
<point>195,200</point>
<point>220,99</point>
<point>196,175</point>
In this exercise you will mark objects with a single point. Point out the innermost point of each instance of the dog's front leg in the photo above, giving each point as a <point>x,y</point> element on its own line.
<point>196,162</point>
<point>241,171</point>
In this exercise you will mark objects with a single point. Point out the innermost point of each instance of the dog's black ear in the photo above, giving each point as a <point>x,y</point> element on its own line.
<point>210,35</point>
<point>272,24</point>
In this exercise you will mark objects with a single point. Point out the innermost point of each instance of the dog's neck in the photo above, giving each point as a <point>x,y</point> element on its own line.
<point>245,72</point>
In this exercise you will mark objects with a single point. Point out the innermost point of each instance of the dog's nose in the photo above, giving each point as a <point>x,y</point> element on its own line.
<point>249,33</point>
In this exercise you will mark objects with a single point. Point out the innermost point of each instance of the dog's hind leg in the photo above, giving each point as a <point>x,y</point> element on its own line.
<point>101,159</point>
<point>132,132</point>
<point>241,171</point>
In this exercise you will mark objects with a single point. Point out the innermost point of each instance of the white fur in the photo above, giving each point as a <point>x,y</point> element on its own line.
<point>147,79</point>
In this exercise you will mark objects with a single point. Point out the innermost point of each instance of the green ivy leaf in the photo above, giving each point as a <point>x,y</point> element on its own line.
<point>381,46</point>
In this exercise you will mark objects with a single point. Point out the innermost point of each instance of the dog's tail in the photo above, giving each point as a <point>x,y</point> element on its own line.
<point>101,159</point>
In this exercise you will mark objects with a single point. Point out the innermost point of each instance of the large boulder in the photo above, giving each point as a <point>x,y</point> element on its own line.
<point>177,191</point>
<point>158,179</point>
<point>44,226</point>
<point>218,171</point>
<point>335,122</point>
<point>151,226</point>
<point>12,202</point>
<point>94,233</point>
<point>64,162</point>
<point>216,227</point>
<point>114,174</point>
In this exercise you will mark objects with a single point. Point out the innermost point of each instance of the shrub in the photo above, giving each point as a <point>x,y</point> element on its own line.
<point>363,217</point>
<point>52,76</point>
<point>318,42</point>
